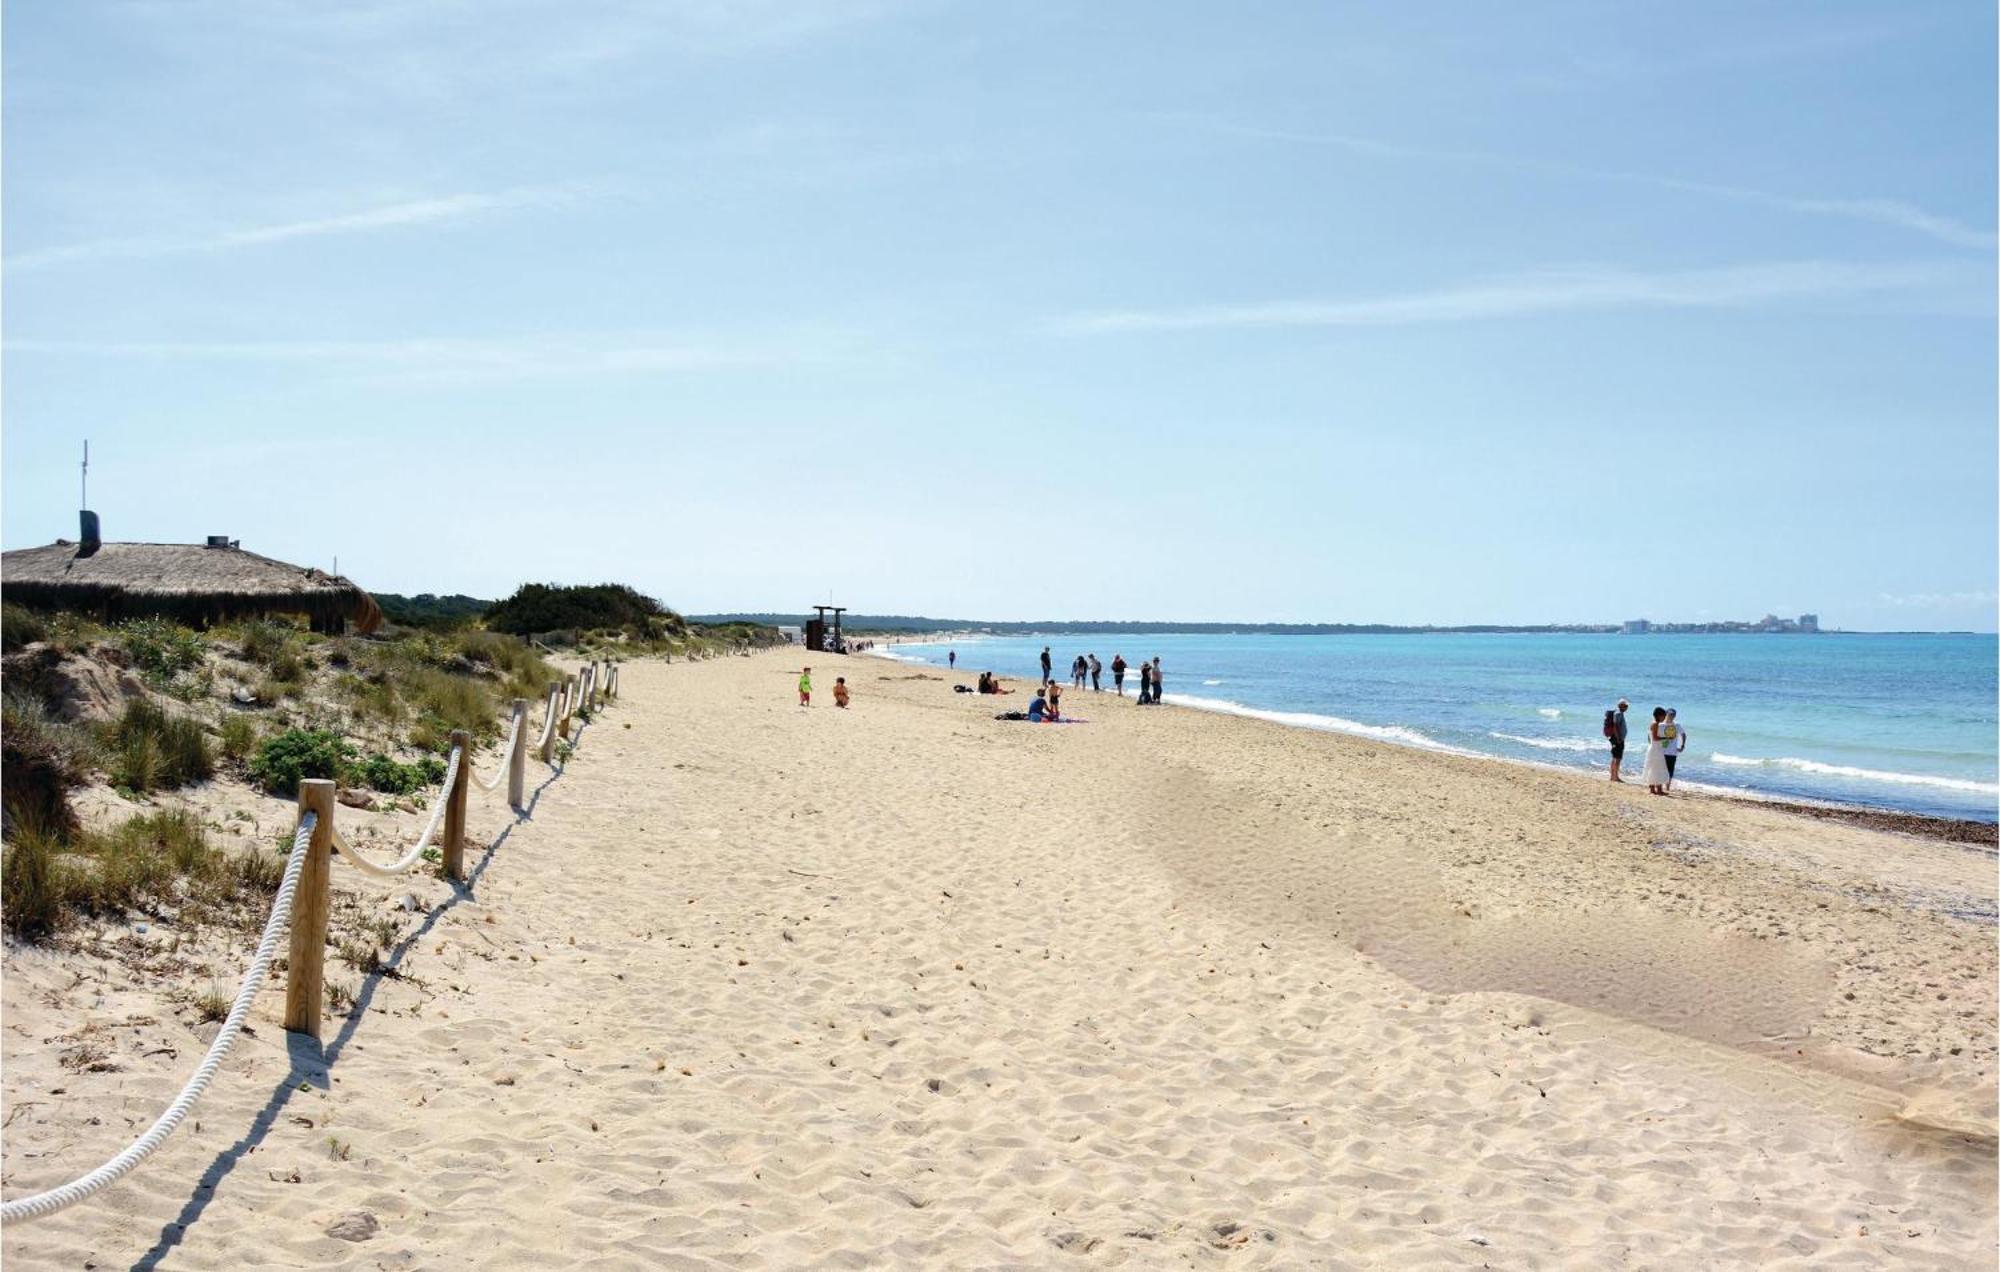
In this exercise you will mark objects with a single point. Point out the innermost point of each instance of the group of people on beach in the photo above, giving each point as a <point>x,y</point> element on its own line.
<point>1665,740</point>
<point>1086,666</point>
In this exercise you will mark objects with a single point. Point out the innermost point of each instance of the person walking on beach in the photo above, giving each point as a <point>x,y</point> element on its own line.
<point>1675,746</point>
<point>806,687</point>
<point>1118,673</point>
<point>1614,729</point>
<point>1096,671</point>
<point>1045,664</point>
<point>951,659</point>
<point>1657,739</point>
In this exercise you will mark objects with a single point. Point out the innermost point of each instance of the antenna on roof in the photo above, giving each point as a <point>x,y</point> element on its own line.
<point>83,493</point>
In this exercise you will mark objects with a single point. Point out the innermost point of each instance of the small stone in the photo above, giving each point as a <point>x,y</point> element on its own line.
<point>355,798</point>
<point>503,1079</point>
<point>408,901</point>
<point>355,1225</point>
<point>936,1085</point>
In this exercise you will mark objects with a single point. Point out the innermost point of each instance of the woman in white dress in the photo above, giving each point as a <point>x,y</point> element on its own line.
<point>1658,738</point>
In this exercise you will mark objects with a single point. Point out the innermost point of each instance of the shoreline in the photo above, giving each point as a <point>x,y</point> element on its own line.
<point>1959,830</point>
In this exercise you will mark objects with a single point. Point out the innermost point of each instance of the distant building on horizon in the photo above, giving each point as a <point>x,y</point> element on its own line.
<point>1804,623</point>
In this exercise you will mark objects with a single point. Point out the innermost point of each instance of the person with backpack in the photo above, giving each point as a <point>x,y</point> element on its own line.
<point>1614,732</point>
<point>1118,673</point>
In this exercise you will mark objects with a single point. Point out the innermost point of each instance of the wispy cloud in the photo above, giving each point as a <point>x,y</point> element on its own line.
<point>1542,292</point>
<point>1940,600</point>
<point>500,357</point>
<point>392,216</point>
<point>1895,213</point>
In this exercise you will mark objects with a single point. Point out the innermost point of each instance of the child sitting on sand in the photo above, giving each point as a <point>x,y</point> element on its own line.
<point>840,691</point>
<point>806,687</point>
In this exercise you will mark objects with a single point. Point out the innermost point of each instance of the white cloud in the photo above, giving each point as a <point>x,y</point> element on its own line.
<point>1547,291</point>
<point>1895,213</point>
<point>505,357</point>
<point>1939,600</point>
<point>404,215</point>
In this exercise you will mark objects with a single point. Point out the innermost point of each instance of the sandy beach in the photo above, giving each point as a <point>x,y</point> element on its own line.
<point>904,985</point>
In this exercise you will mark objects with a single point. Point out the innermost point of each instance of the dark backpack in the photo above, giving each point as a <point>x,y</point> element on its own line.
<point>1610,726</point>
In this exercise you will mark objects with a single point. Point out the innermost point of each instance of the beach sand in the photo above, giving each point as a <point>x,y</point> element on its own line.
<point>760,986</point>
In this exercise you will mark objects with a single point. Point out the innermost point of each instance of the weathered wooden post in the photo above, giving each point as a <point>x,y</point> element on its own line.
<point>555,708</point>
<point>454,812</point>
<point>517,759</point>
<point>569,705</point>
<point>305,975</point>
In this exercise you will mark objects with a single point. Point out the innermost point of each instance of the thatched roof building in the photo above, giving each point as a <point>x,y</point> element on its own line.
<point>189,582</point>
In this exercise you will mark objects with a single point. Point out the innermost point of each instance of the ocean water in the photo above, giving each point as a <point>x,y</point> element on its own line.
<point>1904,722</point>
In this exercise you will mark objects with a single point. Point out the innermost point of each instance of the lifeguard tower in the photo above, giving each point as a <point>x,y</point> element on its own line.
<point>818,639</point>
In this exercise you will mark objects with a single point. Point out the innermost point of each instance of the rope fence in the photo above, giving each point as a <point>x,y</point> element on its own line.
<point>304,903</point>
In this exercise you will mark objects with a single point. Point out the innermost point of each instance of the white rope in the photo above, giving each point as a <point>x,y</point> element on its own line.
<point>43,1204</point>
<point>513,736</point>
<point>402,864</point>
<point>548,726</point>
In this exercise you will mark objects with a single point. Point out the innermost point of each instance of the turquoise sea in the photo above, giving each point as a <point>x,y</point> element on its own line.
<point>1891,721</point>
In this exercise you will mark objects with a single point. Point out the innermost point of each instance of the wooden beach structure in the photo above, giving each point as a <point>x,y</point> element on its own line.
<point>818,638</point>
<point>199,584</point>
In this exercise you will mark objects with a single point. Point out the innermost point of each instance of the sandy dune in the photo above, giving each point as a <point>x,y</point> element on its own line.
<point>758,986</point>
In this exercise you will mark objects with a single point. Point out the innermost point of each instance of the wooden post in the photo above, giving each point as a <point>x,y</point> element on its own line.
<point>517,759</point>
<point>549,746</point>
<point>569,704</point>
<point>305,976</point>
<point>454,812</point>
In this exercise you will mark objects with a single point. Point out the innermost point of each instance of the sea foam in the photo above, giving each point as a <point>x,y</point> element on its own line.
<point>1324,723</point>
<point>1551,744</point>
<point>1552,713</point>
<point>1859,774</point>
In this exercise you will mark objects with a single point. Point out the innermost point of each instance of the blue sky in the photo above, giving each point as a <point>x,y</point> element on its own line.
<point>1406,313</point>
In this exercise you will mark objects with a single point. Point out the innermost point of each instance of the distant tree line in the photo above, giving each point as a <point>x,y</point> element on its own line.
<point>863,624</point>
<point>427,610</point>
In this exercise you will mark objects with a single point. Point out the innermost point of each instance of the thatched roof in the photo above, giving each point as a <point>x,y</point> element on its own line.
<point>186,581</point>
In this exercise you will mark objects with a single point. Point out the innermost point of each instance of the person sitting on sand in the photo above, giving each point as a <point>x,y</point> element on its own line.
<point>986,682</point>
<point>1656,774</point>
<point>840,691</point>
<point>806,687</point>
<point>1038,708</point>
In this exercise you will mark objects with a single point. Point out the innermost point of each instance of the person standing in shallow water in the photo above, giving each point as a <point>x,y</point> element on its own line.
<point>1118,673</point>
<point>1614,730</point>
<point>1157,679</point>
<point>1045,664</point>
<point>951,657</point>
<point>1145,682</point>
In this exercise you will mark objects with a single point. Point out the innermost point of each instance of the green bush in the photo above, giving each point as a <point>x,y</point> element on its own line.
<point>160,650</point>
<point>239,737</point>
<point>20,626</point>
<point>41,762</point>
<point>264,641</point>
<point>151,750</point>
<point>289,757</point>
<point>35,884</point>
<point>544,607</point>
<point>379,772</point>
